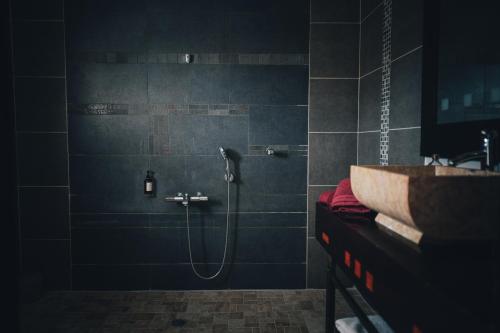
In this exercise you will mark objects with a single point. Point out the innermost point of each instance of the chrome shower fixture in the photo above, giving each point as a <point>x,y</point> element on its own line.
<point>228,175</point>
<point>223,153</point>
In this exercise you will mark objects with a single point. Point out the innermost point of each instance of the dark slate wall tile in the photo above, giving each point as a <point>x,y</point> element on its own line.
<point>331,156</point>
<point>406,86</point>
<point>170,245</point>
<point>39,48</point>
<point>109,246</point>
<point>371,42</point>
<point>204,134</point>
<point>38,10</point>
<point>90,27</point>
<point>281,125</point>
<point>278,245</point>
<point>267,32</point>
<point>264,202</point>
<point>370,90</point>
<point>117,277</point>
<point>49,257</point>
<point>101,83</point>
<point>109,220</point>
<point>268,276</point>
<point>210,84</point>
<point>334,11</point>
<point>169,83</point>
<point>369,148</point>
<point>44,212</point>
<point>248,220</point>
<point>367,7</point>
<point>317,264</point>
<point>405,147</point>
<point>333,105</point>
<point>334,50</point>
<point>185,29</point>
<point>285,85</point>
<point>108,134</point>
<point>42,159</point>
<point>407,26</point>
<point>41,104</point>
<point>274,175</point>
<point>182,277</point>
<point>108,184</point>
<point>312,197</point>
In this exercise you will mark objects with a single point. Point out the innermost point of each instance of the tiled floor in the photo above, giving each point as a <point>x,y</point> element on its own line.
<point>203,311</point>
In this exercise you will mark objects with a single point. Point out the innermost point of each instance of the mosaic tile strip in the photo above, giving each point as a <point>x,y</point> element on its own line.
<point>386,83</point>
<point>158,109</point>
<point>288,59</point>
<point>279,150</point>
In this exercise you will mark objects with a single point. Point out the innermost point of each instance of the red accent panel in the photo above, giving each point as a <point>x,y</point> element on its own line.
<point>347,258</point>
<point>325,238</point>
<point>357,268</point>
<point>369,281</point>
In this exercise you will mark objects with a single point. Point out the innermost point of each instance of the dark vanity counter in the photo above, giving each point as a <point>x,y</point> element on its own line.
<point>434,288</point>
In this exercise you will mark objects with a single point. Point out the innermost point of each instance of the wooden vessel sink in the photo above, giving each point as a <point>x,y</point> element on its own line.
<point>433,202</point>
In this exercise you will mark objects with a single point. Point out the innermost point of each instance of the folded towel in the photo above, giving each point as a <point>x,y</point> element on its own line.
<point>345,201</point>
<point>326,197</point>
<point>353,325</point>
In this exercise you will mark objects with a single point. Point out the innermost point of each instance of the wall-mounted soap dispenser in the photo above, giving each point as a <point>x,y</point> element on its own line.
<point>149,184</point>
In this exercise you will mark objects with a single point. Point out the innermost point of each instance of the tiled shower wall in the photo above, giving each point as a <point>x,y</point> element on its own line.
<point>134,105</point>
<point>405,81</point>
<point>42,149</point>
<point>345,102</point>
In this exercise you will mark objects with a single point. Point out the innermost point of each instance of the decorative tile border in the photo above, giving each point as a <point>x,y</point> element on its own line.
<point>386,83</point>
<point>279,150</point>
<point>286,59</point>
<point>158,109</point>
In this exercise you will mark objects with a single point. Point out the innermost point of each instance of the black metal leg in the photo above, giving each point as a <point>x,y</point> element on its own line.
<point>330,301</point>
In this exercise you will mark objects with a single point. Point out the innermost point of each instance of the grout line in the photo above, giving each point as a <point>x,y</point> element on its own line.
<point>181,213</point>
<point>333,22</point>
<point>42,186</point>
<point>407,53</point>
<point>359,83</point>
<point>374,131</point>
<point>308,154</point>
<point>67,147</point>
<point>332,78</point>
<point>16,146</point>
<point>404,128</point>
<point>46,239</point>
<point>41,132</point>
<point>370,13</point>
<point>39,20</point>
<point>370,72</point>
<point>355,132</point>
<point>40,76</point>
<point>322,185</point>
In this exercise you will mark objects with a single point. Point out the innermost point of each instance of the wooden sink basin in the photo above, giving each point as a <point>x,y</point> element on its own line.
<point>432,202</point>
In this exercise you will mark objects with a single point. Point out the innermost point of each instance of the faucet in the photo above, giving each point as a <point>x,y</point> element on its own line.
<point>487,155</point>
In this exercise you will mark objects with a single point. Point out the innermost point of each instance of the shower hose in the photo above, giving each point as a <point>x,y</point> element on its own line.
<point>225,243</point>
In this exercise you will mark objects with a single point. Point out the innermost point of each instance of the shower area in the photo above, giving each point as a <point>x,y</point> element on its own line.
<point>191,92</point>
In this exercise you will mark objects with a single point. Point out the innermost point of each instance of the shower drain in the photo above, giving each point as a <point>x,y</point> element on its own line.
<point>178,322</point>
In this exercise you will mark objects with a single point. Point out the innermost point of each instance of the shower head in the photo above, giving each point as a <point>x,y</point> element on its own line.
<point>223,153</point>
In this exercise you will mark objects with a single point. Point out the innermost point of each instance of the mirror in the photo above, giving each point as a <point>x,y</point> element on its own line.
<point>461,75</point>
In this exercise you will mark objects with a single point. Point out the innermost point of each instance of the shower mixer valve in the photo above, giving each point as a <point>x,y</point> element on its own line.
<point>185,198</point>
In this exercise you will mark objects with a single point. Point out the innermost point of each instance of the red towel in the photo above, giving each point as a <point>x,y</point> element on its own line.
<point>345,201</point>
<point>326,197</point>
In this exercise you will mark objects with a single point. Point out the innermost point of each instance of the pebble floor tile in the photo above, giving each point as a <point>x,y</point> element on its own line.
<point>262,311</point>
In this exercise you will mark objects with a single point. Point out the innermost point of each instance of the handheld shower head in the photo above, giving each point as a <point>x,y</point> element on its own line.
<point>223,153</point>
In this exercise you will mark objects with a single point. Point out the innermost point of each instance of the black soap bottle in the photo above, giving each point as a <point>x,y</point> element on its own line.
<point>149,184</point>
